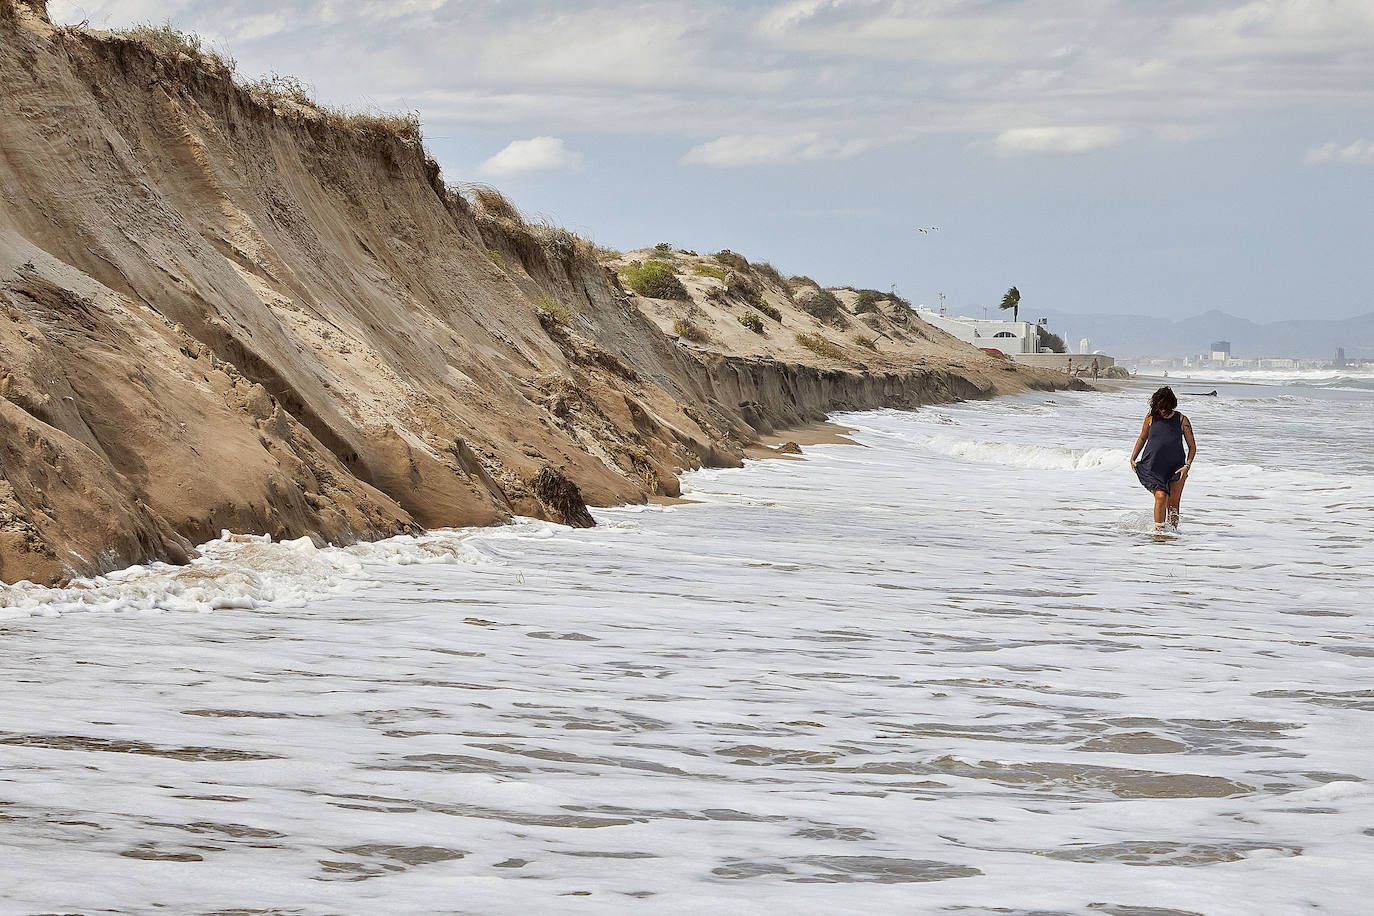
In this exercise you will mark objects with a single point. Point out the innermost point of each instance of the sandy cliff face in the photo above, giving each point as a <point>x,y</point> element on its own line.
<point>216,315</point>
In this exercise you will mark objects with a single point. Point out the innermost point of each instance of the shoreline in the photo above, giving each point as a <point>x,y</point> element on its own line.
<point>326,568</point>
<point>88,589</point>
<point>787,444</point>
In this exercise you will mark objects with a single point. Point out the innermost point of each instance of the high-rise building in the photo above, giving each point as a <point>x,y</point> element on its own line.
<point>1221,350</point>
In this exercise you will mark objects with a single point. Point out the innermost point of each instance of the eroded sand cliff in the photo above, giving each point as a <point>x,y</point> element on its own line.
<point>218,314</point>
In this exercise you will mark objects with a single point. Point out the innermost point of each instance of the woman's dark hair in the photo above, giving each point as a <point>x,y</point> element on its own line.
<point>1163,401</point>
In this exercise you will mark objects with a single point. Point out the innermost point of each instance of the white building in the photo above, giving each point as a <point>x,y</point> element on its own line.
<point>1011,337</point>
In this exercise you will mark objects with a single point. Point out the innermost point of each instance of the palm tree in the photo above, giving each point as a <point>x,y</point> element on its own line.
<point>1012,300</point>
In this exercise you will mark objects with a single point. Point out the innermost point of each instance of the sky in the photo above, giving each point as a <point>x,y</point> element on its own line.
<point>1157,157</point>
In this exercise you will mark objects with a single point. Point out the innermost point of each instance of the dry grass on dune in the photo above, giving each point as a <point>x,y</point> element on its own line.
<point>492,202</point>
<point>772,274</point>
<point>556,240</point>
<point>287,93</point>
<point>732,260</point>
<point>820,346</point>
<point>168,42</point>
<point>274,91</point>
<point>374,121</point>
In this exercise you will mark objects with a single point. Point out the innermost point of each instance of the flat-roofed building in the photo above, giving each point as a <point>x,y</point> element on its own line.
<point>1010,337</point>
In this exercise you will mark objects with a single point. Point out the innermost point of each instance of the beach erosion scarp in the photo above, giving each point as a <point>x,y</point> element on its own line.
<point>224,310</point>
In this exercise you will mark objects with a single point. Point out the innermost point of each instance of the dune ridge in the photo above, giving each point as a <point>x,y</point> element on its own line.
<point>223,313</point>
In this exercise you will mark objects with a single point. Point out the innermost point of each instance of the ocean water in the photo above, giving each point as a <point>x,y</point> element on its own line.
<point>1350,379</point>
<point>949,669</point>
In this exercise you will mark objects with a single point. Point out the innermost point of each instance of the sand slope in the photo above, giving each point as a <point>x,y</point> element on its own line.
<point>217,315</point>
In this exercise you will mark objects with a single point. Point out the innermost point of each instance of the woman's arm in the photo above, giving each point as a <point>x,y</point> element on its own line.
<point>1192,446</point>
<point>1140,441</point>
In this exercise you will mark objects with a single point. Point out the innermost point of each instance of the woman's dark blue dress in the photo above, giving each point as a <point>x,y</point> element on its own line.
<point>1163,454</point>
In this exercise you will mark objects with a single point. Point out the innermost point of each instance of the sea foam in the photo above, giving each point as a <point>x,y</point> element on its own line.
<point>886,678</point>
<point>245,571</point>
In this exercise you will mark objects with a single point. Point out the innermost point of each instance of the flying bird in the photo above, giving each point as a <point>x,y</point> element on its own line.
<point>931,229</point>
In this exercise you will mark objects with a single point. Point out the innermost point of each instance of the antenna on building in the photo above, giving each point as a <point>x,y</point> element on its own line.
<point>942,303</point>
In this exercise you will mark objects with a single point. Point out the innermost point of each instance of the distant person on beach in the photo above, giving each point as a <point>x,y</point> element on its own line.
<point>1162,468</point>
<point>1069,370</point>
<point>1094,368</point>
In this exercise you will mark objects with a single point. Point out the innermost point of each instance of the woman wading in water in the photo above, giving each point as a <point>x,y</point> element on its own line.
<point>1162,469</point>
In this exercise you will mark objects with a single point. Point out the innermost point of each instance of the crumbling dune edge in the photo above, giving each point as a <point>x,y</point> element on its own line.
<point>215,314</point>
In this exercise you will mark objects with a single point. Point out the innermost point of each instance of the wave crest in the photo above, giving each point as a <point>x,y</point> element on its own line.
<point>1039,457</point>
<point>242,571</point>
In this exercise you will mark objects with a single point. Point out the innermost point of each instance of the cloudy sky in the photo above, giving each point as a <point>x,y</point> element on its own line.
<point>1151,156</point>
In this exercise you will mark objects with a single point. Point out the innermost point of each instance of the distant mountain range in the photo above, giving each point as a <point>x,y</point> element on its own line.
<point>1141,335</point>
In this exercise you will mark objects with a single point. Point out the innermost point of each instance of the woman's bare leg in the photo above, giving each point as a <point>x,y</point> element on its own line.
<point>1175,497</point>
<point>1161,507</point>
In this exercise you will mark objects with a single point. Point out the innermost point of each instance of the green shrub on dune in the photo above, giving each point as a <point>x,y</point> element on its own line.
<point>752,321</point>
<point>868,301</point>
<point>688,331</point>
<point>551,310</point>
<point>768,310</point>
<point>732,260</point>
<point>655,279</point>
<point>739,285</point>
<point>820,346</point>
<point>823,306</point>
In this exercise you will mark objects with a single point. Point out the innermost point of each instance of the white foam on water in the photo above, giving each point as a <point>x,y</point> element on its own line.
<point>1032,456</point>
<point>1342,379</point>
<point>917,676</point>
<point>247,571</point>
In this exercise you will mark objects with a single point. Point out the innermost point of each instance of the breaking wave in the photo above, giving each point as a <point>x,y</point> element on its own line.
<point>1040,457</point>
<point>1298,378</point>
<point>248,571</point>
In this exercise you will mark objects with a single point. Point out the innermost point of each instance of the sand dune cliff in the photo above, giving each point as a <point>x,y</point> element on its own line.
<point>216,314</point>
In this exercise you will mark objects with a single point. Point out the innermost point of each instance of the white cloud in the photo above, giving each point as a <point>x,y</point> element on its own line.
<point>1275,28</point>
<point>537,154</point>
<point>115,13</point>
<point>252,27</point>
<point>1359,151</point>
<point>770,79</point>
<point>1058,139</point>
<point>764,149</point>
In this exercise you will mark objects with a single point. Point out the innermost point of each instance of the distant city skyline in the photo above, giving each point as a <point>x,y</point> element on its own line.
<point>1109,157</point>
